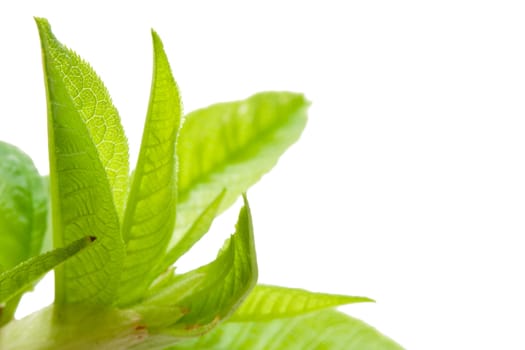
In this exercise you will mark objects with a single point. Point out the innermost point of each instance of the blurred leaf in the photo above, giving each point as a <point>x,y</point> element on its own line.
<point>270,302</point>
<point>230,146</point>
<point>23,275</point>
<point>23,212</point>
<point>327,329</point>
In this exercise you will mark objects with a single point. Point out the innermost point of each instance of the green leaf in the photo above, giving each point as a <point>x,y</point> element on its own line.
<point>23,207</point>
<point>158,316</point>
<point>91,99</point>
<point>164,272</point>
<point>88,174</point>
<point>270,302</point>
<point>149,218</point>
<point>23,212</point>
<point>7,311</point>
<point>199,228</point>
<point>327,329</point>
<point>211,293</point>
<point>230,146</point>
<point>23,275</point>
<point>47,240</point>
<point>170,290</point>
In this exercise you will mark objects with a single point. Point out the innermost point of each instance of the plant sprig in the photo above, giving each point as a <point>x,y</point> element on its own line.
<point>190,169</point>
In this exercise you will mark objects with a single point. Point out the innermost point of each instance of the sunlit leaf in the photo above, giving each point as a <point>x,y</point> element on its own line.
<point>323,330</point>
<point>149,219</point>
<point>270,302</point>
<point>122,291</point>
<point>211,293</point>
<point>23,275</point>
<point>199,228</point>
<point>88,171</point>
<point>230,146</point>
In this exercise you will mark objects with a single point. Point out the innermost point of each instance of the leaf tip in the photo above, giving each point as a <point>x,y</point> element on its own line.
<point>44,29</point>
<point>40,20</point>
<point>157,42</point>
<point>42,23</point>
<point>357,299</point>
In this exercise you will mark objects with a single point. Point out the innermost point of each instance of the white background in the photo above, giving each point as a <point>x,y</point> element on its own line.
<point>408,185</point>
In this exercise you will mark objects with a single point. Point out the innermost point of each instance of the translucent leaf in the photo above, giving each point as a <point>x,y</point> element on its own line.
<point>23,275</point>
<point>211,293</point>
<point>93,104</point>
<point>230,146</point>
<point>164,272</point>
<point>327,329</point>
<point>270,302</point>
<point>149,219</point>
<point>199,228</point>
<point>158,316</point>
<point>88,172</point>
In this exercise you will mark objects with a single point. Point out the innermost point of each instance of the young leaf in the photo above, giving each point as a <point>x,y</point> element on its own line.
<point>88,173</point>
<point>23,207</point>
<point>211,293</point>
<point>164,272</point>
<point>199,228</point>
<point>23,275</point>
<point>149,218</point>
<point>230,146</point>
<point>7,310</point>
<point>23,213</point>
<point>327,329</point>
<point>47,240</point>
<point>167,296</point>
<point>158,316</point>
<point>270,302</point>
<point>91,99</point>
